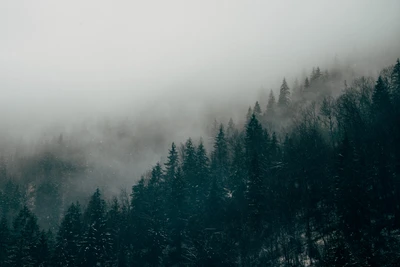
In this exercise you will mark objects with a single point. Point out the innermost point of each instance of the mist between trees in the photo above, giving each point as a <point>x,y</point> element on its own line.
<point>310,176</point>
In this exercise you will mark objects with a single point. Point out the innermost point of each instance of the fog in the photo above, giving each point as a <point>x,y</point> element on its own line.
<point>168,68</point>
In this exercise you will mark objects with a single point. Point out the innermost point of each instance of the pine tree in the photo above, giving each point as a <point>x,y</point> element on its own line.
<point>25,239</point>
<point>220,156</point>
<point>270,112</point>
<point>177,220</point>
<point>68,238</point>
<point>254,138</point>
<point>116,223</point>
<point>257,110</point>
<point>230,131</point>
<point>203,169</point>
<point>274,148</point>
<point>155,224</point>
<point>171,167</point>
<point>284,95</point>
<point>351,199</point>
<point>381,97</point>
<point>189,169</point>
<point>96,242</point>
<point>139,221</point>
<point>249,114</point>
<point>256,187</point>
<point>315,75</point>
<point>43,250</point>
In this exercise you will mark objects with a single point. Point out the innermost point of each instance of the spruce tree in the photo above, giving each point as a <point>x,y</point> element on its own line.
<point>380,97</point>
<point>257,110</point>
<point>203,169</point>
<point>25,240</point>
<point>96,242</point>
<point>248,115</point>
<point>172,164</point>
<point>220,156</point>
<point>256,190</point>
<point>139,240</point>
<point>43,250</point>
<point>68,239</point>
<point>156,219</point>
<point>270,111</point>
<point>177,220</point>
<point>284,95</point>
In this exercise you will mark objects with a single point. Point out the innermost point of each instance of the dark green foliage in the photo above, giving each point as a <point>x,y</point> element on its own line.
<point>381,96</point>
<point>25,240</point>
<point>284,95</point>
<point>323,190</point>
<point>11,199</point>
<point>257,110</point>
<point>220,156</point>
<point>270,112</point>
<point>171,165</point>
<point>48,204</point>
<point>96,242</point>
<point>69,237</point>
<point>5,238</point>
<point>248,115</point>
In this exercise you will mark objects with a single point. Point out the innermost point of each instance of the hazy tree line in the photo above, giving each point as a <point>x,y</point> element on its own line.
<point>323,190</point>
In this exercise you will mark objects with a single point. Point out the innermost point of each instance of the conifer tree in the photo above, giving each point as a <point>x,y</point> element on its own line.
<point>189,167</point>
<point>257,110</point>
<point>220,156</point>
<point>68,238</point>
<point>380,97</point>
<point>96,242</point>
<point>117,224</point>
<point>230,131</point>
<point>139,221</point>
<point>154,222</point>
<point>256,187</point>
<point>171,167</point>
<point>270,112</point>
<point>25,240</point>
<point>284,95</point>
<point>248,115</point>
<point>177,220</point>
<point>202,163</point>
<point>43,250</point>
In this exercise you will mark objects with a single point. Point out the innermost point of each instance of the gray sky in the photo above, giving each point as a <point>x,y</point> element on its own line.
<point>63,59</point>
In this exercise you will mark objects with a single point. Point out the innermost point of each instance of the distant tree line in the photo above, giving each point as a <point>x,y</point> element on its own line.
<point>322,191</point>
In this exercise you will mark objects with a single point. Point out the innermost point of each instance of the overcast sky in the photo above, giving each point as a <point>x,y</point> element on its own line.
<point>67,57</point>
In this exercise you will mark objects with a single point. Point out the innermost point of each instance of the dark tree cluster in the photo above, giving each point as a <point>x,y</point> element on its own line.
<point>323,192</point>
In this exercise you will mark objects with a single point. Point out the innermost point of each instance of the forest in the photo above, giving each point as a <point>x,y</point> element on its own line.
<point>310,179</point>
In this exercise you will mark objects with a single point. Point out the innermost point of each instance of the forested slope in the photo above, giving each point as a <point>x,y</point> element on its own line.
<point>312,179</point>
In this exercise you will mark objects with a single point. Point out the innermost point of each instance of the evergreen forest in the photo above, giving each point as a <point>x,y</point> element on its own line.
<point>310,178</point>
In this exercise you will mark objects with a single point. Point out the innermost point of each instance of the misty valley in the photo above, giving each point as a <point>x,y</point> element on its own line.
<point>310,176</point>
